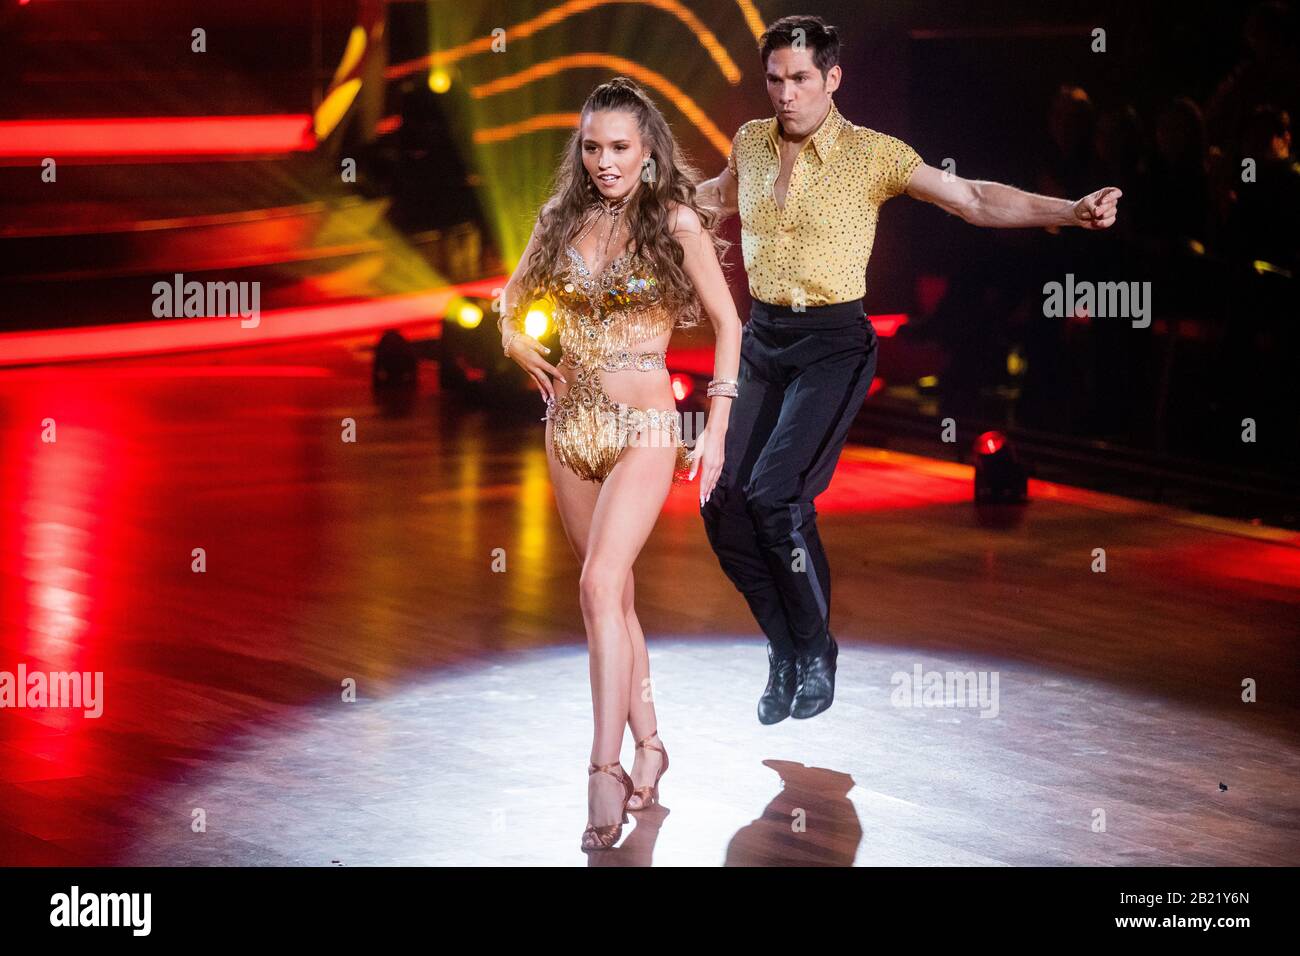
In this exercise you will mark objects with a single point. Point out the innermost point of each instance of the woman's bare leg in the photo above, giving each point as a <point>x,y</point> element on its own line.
<point>641,709</point>
<point>576,501</point>
<point>627,508</point>
<point>641,706</point>
<point>575,498</point>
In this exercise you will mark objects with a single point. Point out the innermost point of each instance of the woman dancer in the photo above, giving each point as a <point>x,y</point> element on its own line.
<point>627,256</point>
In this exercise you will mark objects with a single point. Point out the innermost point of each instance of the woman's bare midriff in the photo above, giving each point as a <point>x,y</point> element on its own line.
<point>633,387</point>
<point>629,386</point>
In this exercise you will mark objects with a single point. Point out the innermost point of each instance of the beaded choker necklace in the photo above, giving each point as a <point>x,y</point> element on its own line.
<point>611,209</point>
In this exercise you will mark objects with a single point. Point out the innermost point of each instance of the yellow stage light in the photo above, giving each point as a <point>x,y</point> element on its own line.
<point>333,108</point>
<point>439,80</point>
<point>536,322</point>
<point>351,54</point>
<point>469,315</point>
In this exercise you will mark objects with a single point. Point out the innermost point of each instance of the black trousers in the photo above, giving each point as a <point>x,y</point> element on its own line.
<point>803,378</point>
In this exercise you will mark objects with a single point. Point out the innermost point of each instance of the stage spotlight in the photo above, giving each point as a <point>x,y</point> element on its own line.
<point>682,385</point>
<point>536,322</point>
<point>999,475</point>
<point>470,360</point>
<point>469,315</point>
<point>439,80</point>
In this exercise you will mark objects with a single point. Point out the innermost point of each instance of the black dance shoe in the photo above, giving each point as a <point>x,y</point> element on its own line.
<point>816,674</point>
<point>774,705</point>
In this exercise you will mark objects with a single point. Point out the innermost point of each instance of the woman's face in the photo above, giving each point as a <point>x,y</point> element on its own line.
<point>612,152</point>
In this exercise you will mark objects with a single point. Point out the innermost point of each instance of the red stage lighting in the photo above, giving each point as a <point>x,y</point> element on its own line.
<point>682,386</point>
<point>999,475</point>
<point>156,136</point>
<point>989,443</point>
<point>888,324</point>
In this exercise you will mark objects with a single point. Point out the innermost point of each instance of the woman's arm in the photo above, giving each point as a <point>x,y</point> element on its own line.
<point>705,272</point>
<point>511,293</point>
<point>524,349</point>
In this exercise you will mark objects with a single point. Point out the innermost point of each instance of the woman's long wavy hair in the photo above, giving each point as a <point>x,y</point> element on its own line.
<point>648,217</point>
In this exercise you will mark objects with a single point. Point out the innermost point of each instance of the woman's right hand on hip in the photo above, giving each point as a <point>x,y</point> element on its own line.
<point>527,353</point>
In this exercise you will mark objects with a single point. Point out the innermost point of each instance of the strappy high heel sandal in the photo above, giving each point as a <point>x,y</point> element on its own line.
<point>604,837</point>
<point>650,794</point>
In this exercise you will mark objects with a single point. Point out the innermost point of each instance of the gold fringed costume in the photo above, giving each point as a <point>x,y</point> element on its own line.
<point>601,319</point>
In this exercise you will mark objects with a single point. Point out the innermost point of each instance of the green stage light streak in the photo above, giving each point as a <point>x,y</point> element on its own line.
<point>515,173</point>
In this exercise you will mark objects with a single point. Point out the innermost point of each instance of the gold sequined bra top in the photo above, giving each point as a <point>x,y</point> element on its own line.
<point>601,317</point>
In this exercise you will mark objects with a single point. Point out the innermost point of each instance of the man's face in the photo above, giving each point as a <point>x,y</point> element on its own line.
<point>799,94</point>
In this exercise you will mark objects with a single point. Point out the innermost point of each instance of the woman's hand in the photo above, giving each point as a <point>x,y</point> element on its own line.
<point>527,353</point>
<point>707,457</point>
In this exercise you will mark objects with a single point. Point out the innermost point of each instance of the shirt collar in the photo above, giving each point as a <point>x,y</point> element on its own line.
<point>822,140</point>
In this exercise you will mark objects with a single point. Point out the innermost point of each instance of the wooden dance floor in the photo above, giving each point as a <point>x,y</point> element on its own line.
<point>1113,730</point>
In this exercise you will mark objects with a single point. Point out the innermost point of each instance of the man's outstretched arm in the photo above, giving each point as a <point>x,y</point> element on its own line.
<point>719,193</point>
<point>993,204</point>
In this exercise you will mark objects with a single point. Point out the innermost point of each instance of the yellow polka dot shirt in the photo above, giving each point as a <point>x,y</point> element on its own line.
<point>814,251</point>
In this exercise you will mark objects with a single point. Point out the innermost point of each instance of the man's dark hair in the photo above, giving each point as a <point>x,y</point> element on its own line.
<point>818,37</point>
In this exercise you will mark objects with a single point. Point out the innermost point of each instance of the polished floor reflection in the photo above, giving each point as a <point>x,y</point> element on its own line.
<point>1112,731</point>
<point>483,765</point>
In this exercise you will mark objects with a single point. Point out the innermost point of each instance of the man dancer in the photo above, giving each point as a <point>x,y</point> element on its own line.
<point>808,185</point>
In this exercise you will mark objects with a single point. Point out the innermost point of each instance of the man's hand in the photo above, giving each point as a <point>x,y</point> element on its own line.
<point>1098,210</point>
<point>719,194</point>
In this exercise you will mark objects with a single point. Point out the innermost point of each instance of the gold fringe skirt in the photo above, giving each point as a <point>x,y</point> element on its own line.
<point>590,430</point>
